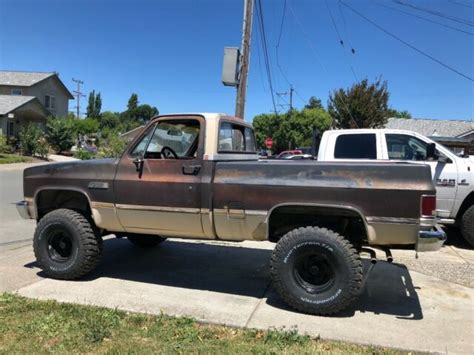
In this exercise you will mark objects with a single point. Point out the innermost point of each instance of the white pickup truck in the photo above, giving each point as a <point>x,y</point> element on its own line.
<point>452,175</point>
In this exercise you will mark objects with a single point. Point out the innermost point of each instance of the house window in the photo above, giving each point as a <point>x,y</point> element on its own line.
<point>10,129</point>
<point>49,101</point>
<point>17,92</point>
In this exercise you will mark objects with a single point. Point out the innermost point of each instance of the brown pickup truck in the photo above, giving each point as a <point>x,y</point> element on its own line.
<point>198,176</point>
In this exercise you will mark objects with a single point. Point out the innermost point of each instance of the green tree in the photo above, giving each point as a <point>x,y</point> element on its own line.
<point>290,130</point>
<point>364,105</point>
<point>132,102</point>
<point>398,114</point>
<point>94,105</point>
<point>314,102</point>
<point>60,134</point>
<point>109,119</point>
<point>144,112</point>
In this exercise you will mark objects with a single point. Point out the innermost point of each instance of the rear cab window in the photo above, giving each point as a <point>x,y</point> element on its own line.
<point>356,146</point>
<point>234,138</point>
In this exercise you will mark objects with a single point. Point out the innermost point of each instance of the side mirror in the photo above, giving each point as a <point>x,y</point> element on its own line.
<point>431,152</point>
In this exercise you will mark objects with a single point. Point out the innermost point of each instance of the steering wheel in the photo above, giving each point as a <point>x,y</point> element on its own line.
<point>168,153</point>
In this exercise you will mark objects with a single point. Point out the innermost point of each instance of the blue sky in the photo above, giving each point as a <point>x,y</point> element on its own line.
<point>170,51</point>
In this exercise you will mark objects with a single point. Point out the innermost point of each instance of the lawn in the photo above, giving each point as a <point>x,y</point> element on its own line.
<point>31,326</point>
<point>13,158</point>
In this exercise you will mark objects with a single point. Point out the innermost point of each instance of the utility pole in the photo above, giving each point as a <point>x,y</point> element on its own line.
<point>79,94</point>
<point>290,93</point>
<point>244,58</point>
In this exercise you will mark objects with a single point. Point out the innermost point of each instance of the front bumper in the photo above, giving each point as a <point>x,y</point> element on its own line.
<point>430,240</point>
<point>23,209</point>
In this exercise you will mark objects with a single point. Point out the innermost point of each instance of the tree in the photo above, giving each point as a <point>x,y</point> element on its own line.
<point>143,113</point>
<point>364,105</point>
<point>398,114</point>
<point>94,105</point>
<point>132,102</point>
<point>290,130</point>
<point>60,134</point>
<point>314,102</point>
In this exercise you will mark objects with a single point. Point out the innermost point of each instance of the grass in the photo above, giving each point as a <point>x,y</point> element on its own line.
<point>31,326</point>
<point>13,158</point>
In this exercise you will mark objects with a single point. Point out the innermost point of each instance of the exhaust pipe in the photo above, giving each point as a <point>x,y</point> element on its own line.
<point>373,256</point>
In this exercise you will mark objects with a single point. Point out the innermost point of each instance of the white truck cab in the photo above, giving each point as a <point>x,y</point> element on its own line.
<point>452,175</point>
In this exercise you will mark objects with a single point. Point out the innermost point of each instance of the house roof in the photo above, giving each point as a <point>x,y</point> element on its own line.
<point>430,127</point>
<point>9,103</point>
<point>23,78</point>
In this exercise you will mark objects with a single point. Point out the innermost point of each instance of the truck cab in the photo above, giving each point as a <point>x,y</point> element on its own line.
<point>452,175</point>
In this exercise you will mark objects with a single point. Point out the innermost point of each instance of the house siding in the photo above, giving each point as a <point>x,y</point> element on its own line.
<point>51,87</point>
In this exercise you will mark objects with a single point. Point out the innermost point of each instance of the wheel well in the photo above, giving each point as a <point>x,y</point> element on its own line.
<point>49,200</point>
<point>346,222</point>
<point>468,201</point>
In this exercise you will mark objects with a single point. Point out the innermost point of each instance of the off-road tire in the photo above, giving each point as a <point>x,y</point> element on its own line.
<point>145,240</point>
<point>316,254</point>
<point>467,225</point>
<point>83,244</point>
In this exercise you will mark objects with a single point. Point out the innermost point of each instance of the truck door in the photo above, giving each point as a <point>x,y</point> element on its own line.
<point>410,148</point>
<point>158,180</point>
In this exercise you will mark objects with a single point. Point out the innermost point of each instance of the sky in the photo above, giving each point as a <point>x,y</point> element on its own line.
<point>170,52</point>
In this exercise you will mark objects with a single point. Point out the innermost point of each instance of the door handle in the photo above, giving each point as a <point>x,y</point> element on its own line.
<point>191,169</point>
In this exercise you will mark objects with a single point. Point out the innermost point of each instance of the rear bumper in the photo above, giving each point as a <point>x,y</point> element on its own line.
<point>430,240</point>
<point>23,209</point>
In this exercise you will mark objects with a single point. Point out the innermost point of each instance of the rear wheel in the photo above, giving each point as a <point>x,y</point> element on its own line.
<point>316,271</point>
<point>66,245</point>
<point>467,225</point>
<point>145,240</point>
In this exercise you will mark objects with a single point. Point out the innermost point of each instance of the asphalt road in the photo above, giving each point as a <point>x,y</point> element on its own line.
<point>424,304</point>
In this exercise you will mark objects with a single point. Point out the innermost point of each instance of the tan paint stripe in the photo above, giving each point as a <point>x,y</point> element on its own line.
<point>158,208</point>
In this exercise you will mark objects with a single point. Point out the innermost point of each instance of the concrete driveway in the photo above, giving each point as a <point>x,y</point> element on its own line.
<point>424,305</point>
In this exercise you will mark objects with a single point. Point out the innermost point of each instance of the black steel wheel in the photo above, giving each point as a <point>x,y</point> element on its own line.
<point>316,271</point>
<point>66,244</point>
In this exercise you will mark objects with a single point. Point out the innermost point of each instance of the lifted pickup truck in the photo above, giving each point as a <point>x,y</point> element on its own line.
<point>198,176</point>
<point>452,175</point>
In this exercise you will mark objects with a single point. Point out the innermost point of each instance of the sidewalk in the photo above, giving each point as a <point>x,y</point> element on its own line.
<point>60,158</point>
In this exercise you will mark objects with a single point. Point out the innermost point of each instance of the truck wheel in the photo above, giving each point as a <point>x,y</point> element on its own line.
<point>316,271</point>
<point>145,240</point>
<point>467,225</point>
<point>66,245</point>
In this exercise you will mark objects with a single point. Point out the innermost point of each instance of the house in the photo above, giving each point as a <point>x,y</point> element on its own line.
<point>30,97</point>
<point>457,135</point>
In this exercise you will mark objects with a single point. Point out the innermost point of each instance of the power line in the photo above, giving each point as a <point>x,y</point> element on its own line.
<point>282,22</point>
<point>79,94</point>
<point>406,43</point>
<point>461,4</point>
<point>265,49</point>
<point>436,13</point>
<point>426,19</point>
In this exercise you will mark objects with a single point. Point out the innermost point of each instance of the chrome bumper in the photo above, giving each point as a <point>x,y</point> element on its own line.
<point>430,240</point>
<point>23,210</point>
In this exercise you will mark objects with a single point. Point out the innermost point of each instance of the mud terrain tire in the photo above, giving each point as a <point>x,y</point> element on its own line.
<point>66,244</point>
<point>316,271</point>
<point>145,240</point>
<point>467,225</point>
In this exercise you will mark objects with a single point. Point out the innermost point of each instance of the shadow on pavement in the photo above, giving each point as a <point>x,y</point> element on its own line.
<point>245,272</point>
<point>455,239</point>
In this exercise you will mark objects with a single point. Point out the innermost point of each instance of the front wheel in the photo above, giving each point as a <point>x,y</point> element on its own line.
<point>66,245</point>
<point>316,271</point>
<point>467,225</point>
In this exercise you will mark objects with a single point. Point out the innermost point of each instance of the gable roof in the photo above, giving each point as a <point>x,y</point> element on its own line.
<point>10,103</point>
<point>23,78</point>
<point>430,127</point>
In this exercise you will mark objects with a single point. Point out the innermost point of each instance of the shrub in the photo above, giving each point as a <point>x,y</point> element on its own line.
<point>4,146</point>
<point>60,134</point>
<point>84,154</point>
<point>30,136</point>
<point>42,149</point>
<point>113,147</point>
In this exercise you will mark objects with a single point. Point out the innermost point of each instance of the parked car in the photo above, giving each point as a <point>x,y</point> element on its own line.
<point>452,175</point>
<point>286,153</point>
<point>198,176</point>
<point>297,157</point>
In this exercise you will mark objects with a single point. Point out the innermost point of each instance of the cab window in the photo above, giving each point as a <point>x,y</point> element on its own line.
<point>234,138</point>
<point>176,139</point>
<point>404,147</point>
<point>356,146</point>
